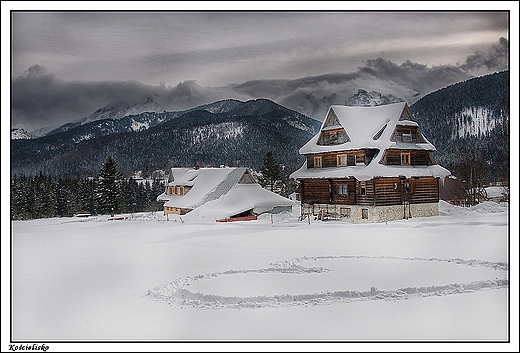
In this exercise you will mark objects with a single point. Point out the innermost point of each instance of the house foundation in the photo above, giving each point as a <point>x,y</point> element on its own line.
<point>370,214</point>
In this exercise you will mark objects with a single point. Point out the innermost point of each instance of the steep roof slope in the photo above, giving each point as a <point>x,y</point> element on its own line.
<point>368,128</point>
<point>219,192</point>
<point>362,126</point>
<point>241,198</point>
<point>203,182</point>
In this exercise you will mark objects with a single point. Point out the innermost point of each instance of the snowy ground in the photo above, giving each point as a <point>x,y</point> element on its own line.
<point>143,278</point>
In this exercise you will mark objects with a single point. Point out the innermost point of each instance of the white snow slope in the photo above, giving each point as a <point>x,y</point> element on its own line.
<point>438,279</point>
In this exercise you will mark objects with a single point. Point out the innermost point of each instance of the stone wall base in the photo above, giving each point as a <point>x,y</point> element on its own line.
<point>370,214</point>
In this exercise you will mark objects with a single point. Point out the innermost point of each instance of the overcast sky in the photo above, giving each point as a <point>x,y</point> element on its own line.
<point>222,48</point>
<point>218,49</point>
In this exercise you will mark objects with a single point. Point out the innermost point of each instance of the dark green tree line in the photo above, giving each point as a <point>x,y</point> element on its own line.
<point>45,196</point>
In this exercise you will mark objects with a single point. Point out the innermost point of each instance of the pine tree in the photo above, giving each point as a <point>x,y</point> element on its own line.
<point>108,187</point>
<point>270,171</point>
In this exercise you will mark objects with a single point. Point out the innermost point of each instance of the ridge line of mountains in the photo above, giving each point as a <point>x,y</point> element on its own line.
<point>470,115</point>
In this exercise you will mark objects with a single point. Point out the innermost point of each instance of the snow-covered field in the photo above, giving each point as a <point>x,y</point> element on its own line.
<point>144,278</point>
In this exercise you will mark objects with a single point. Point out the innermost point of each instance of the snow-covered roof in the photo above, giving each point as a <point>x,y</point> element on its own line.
<point>362,124</point>
<point>374,169</point>
<point>211,186</point>
<point>241,198</point>
<point>368,128</point>
<point>182,176</point>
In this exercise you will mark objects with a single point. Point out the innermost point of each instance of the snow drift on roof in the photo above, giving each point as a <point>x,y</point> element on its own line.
<point>240,198</point>
<point>371,171</point>
<point>216,192</point>
<point>362,124</point>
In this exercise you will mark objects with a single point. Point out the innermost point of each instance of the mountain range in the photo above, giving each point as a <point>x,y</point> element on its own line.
<point>227,132</point>
<point>234,132</point>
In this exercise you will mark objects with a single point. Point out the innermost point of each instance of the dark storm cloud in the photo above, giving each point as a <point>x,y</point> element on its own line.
<point>417,76</point>
<point>497,58</point>
<point>41,99</point>
<point>426,79</point>
<point>219,48</point>
<point>185,59</point>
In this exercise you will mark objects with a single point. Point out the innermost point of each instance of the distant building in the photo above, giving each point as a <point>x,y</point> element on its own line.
<point>452,191</point>
<point>219,193</point>
<point>369,164</point>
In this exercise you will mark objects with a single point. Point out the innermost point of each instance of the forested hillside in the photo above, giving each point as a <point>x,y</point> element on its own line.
<point>229,132</point>
<point>468,123</point>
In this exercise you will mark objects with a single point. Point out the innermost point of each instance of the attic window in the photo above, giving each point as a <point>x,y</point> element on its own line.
<point>379,133</point>
<point>333,137</point>
<point>407,136</point>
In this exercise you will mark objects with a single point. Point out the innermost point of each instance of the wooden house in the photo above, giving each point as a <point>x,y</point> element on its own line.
<point>369,164</point>
<point>219,193</point>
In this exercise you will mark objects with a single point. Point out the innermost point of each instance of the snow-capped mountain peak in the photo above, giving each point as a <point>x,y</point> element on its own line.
<point>122,109</point>
<point>113,112</point>
<point>18,134</point>
<point>370,99</point>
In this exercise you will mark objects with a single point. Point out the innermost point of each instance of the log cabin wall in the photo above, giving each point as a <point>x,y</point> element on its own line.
<point>330,160</point>
<point>365,192</point>
<point>393,157</point>
<point>388,191</point>
<point>424,190</point>
<point>343,191</point>
<point>377,191</point>
<point>315,191</point>
<point>329,191</point>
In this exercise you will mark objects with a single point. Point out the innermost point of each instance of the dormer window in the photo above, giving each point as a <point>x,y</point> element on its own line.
<point>407,136</point>
<point>333,136</point>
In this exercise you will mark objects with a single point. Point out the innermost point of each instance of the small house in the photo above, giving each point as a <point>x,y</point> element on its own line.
<point>219,193</point>
<point>369,164</point>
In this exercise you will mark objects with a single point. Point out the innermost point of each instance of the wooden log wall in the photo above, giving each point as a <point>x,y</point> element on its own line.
<point>378,191</point>
<point>329,160</point>
<point>315,191</point>
<point>325,191</point>
<point>388,191</point>
<point>368,198</point>
<point>342,199</point>
<point>424,190</point>
<point>393,157</point>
